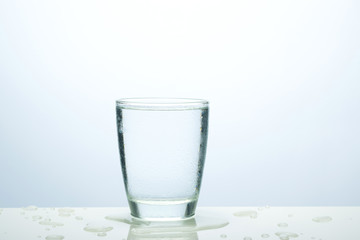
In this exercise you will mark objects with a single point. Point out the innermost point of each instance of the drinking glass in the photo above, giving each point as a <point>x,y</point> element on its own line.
<point>162,143</point>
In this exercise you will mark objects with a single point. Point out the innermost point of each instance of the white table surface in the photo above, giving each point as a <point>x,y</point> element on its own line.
<point>265,223</point>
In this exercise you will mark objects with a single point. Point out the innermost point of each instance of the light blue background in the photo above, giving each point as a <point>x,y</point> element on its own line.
<point>282,77</point>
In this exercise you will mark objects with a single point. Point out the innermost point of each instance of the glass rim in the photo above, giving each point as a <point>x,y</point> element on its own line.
<point>161,103</point>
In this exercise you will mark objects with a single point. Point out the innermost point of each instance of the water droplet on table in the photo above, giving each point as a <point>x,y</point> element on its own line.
<point>92,227</point>
<point>102,234</point>
<point>79,218</point>
<point>30,208</point>
<point>247,238</point>
<point>290,215</point>
<point>65,212</point>
<point>48,222</point>
<point>323,219</point>
<point>54,237</point>
<point>286,235</point>
<point>252,214</point>
<point>223,236</point>
<point>282,225</point>
<point>36,217</point>
<point>265,235</point>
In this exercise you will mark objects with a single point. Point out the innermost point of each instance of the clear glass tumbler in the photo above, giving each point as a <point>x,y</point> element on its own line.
<point>162,143</point>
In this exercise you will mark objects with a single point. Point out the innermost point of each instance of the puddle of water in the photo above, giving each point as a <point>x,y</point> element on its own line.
<point>198,223</point>
<point>126,219</point>
<point>323,219</point>
<point>251,214</point>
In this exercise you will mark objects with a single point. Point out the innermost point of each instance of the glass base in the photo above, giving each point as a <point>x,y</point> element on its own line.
<point>150,210</point>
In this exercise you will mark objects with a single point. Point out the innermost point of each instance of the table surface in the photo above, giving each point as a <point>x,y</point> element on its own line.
<point>222,223</point>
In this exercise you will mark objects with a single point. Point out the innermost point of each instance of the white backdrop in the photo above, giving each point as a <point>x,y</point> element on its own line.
<point>282,78</point>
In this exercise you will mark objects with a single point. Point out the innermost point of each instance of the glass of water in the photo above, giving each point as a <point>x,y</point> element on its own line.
<point>162,143</point>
